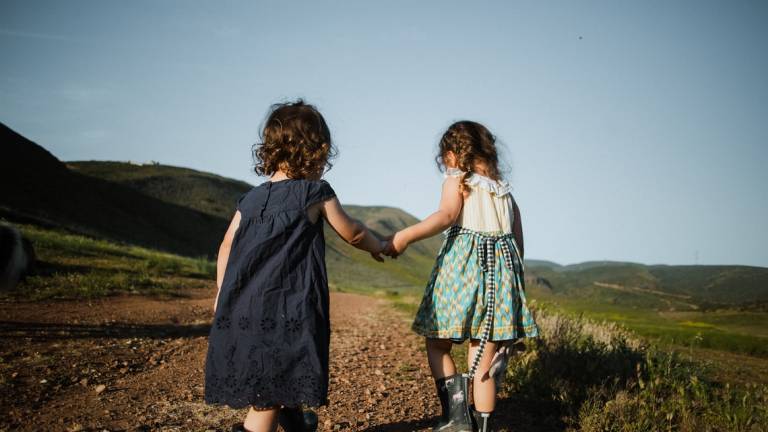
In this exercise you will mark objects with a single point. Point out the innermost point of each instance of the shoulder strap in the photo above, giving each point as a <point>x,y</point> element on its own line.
<point>452,172</point>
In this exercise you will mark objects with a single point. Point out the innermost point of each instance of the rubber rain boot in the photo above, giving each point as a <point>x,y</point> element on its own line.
<point>442,394</point>
<point>457,418</point>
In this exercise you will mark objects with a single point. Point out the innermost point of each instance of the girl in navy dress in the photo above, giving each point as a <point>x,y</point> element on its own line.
<point>268,345</point>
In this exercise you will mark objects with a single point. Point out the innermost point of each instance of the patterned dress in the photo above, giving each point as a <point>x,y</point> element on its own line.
<point>268,344</point>
<point>479,257</point>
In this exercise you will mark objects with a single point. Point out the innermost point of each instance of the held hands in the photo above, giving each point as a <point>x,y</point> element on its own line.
<point>392,246</point>
<point>382,249</point>
<point>396,245</point>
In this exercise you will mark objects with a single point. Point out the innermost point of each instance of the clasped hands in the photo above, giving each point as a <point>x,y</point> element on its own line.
<point>392,246</point>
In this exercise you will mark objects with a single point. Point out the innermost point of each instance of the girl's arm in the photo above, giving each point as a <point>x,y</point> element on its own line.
<point>221,261</point>
<point>451,202</point>
<point>351,230</point>
<point>517,228</point>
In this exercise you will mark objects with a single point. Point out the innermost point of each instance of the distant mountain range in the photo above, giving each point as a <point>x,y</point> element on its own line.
<point>186,211</point>
<point>657,286</point>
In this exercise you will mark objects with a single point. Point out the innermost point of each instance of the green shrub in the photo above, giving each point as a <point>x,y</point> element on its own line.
<point>671,394</point>
<point>589,376</point>
<point>572,358</point>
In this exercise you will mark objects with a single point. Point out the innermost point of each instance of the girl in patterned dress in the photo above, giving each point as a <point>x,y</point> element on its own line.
<point>476,287</point>
<point>268,346</point>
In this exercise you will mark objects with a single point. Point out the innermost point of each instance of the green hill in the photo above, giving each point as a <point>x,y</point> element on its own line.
<point>542,264</point>
<point>715,307</point>
<point>177,210</point>
<point>38,188</point>
<point>658,286</point>
<point>205,192</point>
<point>185,211</point>
<point>716,284</point>
<point>349,268</point>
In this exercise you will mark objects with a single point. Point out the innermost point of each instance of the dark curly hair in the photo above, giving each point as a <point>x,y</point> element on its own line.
<point>471,142</point>
<point>295,140</point>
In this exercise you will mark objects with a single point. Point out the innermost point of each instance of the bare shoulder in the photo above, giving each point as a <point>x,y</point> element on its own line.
<point>452,188</point>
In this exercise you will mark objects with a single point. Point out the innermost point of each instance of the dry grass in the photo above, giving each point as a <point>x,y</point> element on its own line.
<point>591,376</point>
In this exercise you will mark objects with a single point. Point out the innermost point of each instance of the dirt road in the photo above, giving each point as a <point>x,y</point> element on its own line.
<point>136,363</point>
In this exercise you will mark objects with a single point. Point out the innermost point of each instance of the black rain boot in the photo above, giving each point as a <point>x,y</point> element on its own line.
<point>454,389</point>
<point>297,420</point>
<point>482,420</point>
<point>442,394</point>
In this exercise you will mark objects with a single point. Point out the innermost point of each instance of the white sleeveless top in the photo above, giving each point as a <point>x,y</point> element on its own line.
<point>489,205</point>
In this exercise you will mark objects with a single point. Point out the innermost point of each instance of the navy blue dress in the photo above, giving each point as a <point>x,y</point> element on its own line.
<point>269,340</point>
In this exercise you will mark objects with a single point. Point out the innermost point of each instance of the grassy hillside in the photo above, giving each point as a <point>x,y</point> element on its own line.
<point>37,187</point>
<point>186,212</point>
<point>729,330</point>
<point>71,266</point>
<point>353,269</point>
<point>174,209</point>
<point>613,283</point>
<point>658,286</point>
<point>349,269</point>
<point>714,307</point>
<point>715,284</point>
<point>202,191</point>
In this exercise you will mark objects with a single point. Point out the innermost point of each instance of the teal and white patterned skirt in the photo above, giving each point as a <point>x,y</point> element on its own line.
<point>473,270</point>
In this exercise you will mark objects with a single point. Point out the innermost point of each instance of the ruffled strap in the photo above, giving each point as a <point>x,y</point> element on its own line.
<point>495,187</point>
<point>452,172</point>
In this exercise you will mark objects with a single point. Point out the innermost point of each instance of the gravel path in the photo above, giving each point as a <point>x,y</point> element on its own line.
<point>134,363</point>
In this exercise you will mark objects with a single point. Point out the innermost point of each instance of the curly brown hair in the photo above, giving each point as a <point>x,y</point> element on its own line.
<point>295,140</point>
<point>471,142</point>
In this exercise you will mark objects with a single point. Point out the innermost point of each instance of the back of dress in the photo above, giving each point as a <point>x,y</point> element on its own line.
<point>489,207</point>
<point>272,325</point>
<point>476,289</point>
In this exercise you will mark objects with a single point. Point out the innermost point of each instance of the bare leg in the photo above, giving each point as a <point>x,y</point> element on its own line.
<point>484,386</point>
<point>261,419</point>
<point>439,357</point>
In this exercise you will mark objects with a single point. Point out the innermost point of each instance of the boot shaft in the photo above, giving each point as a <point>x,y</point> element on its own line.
<point>454,392</point>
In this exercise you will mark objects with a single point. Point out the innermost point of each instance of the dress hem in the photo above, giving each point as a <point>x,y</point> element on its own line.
<point>465,333</point>
<point>261,404</point>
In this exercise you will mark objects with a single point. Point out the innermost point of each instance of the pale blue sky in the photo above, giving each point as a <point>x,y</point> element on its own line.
<point>635,130</point>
